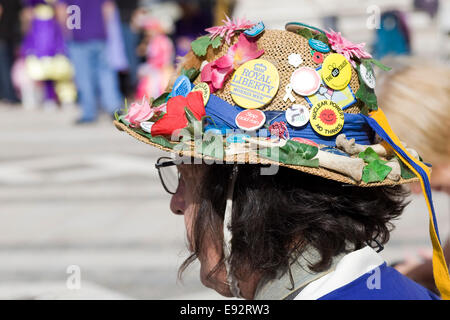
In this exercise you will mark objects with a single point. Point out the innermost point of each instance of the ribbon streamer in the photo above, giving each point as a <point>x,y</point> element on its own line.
<point>377,120</point>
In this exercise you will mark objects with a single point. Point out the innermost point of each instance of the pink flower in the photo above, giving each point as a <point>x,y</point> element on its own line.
<point>348,49</point>
<point>229,28</point>
<point>216,73</point>
<point>139,112</point>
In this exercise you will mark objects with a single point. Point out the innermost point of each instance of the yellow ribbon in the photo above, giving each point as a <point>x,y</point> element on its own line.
<point>440,270</point>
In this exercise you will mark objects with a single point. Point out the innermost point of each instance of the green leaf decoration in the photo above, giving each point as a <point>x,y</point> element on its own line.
<point>306,151</point>
<point>369,155</point>
<point>405,172</point>
<point>305,32</point>
<point>160,100</point>
<point>366,94</point>
<point>377,63</point>
<point>162,141</point>
<point>194,125</point>
<point>294,153</point>
<point>376,171</point>
<point>201,44</point>
<point>321,37</point>
<point>213,145</point>
<point>191,73</point>
<point>216,42</point>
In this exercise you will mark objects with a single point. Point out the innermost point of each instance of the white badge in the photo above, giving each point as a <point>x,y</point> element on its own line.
<point>367,75</point>
<point>297,115</point>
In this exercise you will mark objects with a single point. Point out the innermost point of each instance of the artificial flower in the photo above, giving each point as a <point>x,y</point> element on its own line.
<point>175,117</point>
<point>216,72</point>
<point>229,28</point>
<point>347,48</point>
<point>139,112</point>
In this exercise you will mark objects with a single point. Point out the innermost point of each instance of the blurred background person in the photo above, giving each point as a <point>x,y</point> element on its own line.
<point>416,93</point>
<point>131,35</point>
<point>95,75</point>
<point>9,40</point>
<point>155,73</point>
<point>44,53</point>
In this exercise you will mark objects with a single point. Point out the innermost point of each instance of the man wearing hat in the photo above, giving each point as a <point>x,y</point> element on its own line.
<point>286,192</point>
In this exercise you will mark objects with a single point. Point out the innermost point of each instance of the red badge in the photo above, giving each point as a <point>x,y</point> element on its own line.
<point>318,57</point>
<point>250,120</point>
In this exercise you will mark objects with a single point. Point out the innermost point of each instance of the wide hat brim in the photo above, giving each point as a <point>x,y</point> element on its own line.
<point>254,158</point>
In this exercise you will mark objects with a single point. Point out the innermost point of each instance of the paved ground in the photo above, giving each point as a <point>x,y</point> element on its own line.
<point>89,197</point>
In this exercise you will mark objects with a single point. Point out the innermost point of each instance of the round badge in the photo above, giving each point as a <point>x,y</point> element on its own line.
<point>305,81</point>
<point>250,120</point>
<point>318,45</point>
<point>297,115</point>
<point>336,71</point>
<point>203,87</point>
<point>181,87</point>
<point>318,57</point>
<point>254,84</point>
<point>305,141</point>
<point>367,75</point>
<point>327,118</point>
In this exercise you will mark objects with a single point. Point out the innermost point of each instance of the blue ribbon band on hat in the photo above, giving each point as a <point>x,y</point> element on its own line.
<point>223,115</point>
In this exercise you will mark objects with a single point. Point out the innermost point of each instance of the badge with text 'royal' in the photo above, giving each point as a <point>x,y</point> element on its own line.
<point>327,118</point>
<point>250,120</point>
<point>254,84</point>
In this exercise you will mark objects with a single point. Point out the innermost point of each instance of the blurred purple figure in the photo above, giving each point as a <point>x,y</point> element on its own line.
<point>43,47</point>
<point>88,52</point>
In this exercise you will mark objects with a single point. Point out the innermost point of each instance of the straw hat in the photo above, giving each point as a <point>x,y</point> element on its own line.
<point>298,55</point>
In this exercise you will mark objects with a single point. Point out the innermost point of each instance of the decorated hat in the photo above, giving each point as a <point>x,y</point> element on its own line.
<point>302,98</point>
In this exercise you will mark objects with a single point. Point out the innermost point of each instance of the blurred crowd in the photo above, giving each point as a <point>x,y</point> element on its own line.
<point>97,53</point>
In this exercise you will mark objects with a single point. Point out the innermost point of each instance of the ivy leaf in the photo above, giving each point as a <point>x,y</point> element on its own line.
<point>213,146</point>
<point>216,42</point>
<point>366,94</point>
<point>194,125</point>
<point>305,32</point>
<point>294,153</point>
<point>162,141</point>
<point>306,151</point>
<point>321,37</point>
<point>369,155</point>
<point>191,73</point>
<point>201,44</point>
<point>405,172</point>
<point>376,171</point>
<point>160,100</point>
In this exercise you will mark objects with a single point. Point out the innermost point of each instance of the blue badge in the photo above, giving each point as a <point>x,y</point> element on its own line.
<point>318,45</point>
<point>237,138</point>
<point>256,30</point>
<point>181,87</point>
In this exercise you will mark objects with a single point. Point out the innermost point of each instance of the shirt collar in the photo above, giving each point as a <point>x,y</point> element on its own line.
<point>349,268</point>
<point>281,287</point>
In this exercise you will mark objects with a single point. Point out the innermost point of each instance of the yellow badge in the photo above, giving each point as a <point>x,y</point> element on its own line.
<point>336,71</point>
<point>203,87</point>
<point>327,118</point>
<point>254,84</point>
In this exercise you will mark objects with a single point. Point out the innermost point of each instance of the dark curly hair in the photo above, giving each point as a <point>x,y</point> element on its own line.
<point>275,217</point>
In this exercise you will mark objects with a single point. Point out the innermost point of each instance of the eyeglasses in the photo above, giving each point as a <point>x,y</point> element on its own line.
<point>168,174</point>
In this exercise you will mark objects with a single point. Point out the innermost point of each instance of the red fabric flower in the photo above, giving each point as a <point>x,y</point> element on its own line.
<point>175,117</point>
